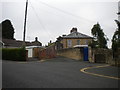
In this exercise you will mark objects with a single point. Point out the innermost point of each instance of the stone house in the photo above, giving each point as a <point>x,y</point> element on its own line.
<point>73,39</point>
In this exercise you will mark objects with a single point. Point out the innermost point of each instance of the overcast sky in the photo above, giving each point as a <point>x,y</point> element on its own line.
<point>48,19</point>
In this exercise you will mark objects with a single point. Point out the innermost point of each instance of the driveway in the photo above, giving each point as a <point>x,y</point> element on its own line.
<point>59,72</point>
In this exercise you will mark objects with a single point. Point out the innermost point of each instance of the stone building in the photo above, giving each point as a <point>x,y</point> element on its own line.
<point>73,39</point>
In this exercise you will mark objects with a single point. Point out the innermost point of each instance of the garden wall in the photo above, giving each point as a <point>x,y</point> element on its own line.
<point>47,53</point>
<point>73,53</point>
<point>101,55</point>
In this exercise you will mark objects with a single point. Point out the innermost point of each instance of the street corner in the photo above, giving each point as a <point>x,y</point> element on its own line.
<point>86,70</point>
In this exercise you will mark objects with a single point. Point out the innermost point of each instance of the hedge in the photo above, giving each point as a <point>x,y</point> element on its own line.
<point>15,54</point>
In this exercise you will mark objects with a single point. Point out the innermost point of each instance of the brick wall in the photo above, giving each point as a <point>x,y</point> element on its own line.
<point>47,53</point>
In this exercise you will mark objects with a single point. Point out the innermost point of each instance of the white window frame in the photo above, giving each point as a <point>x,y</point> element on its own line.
<point>78,42</point>
<point>69,43</point>
<point>86,42</point>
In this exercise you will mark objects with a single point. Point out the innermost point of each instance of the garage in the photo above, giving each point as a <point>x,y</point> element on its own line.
<point>33,51</point>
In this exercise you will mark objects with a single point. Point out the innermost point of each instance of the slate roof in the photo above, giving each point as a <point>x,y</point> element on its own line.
<point>14,43</point>
<point>77,35</point>
<point>17,43</point>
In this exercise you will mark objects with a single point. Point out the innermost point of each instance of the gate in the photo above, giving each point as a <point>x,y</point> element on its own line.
<point>85,53</point>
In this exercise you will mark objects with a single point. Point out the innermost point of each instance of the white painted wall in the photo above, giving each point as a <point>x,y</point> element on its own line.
<point>30,52</point>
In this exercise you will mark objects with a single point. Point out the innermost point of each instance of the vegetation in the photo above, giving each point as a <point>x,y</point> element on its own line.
<point>15,54</point>
<point>7,29</point>
<point>100,39</point>
<point>116,37</point>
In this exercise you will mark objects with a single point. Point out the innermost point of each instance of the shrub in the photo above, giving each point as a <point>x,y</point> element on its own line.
<point>15,54</point>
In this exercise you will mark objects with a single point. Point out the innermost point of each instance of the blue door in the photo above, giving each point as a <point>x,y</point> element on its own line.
<point>85,53</point>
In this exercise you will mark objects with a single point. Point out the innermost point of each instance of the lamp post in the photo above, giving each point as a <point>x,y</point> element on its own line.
<point>25,23</point>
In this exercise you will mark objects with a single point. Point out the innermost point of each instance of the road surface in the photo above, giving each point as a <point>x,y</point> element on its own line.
<point>59,72</point>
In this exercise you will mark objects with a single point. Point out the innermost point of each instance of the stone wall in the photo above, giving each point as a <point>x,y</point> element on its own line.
<point>105,56</point>
<point>102,55</point>
<point>74,42</point>
<point>73,53</point>
<point>116,58</point>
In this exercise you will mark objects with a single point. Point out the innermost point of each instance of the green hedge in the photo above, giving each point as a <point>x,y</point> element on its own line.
<point>15,54</point>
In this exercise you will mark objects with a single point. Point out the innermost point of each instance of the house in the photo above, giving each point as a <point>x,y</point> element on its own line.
<point>32,47</point>
<point>74,45</point>
<point>73,39</point>
<point>11,43</point>
<point>36,42</point>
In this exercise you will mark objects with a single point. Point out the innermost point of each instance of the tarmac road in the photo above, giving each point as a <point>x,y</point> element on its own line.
<point>59,72</point>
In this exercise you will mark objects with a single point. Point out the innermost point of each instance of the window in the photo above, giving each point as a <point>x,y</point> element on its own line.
<point>86,42</point>
<point>78,42</point>
<point>69,43</point>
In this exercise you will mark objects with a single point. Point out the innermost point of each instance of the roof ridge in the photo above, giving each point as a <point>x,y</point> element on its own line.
<point>77,35</point>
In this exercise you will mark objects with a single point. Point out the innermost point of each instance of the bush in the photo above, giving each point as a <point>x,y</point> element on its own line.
<point>15,54</point>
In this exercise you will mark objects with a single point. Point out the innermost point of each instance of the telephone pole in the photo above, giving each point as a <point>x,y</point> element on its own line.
<point>25,23</point>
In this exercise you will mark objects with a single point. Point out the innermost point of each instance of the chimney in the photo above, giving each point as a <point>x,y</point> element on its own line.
<point>73,30</point>
<point>36,39</point>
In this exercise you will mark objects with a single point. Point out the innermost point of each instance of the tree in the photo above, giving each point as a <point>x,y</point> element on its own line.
<point>116,37</point>
<point>7,29</point>
<point>100,39</point>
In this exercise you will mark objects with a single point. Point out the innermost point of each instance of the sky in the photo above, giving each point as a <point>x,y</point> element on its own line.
<point>49,19</point>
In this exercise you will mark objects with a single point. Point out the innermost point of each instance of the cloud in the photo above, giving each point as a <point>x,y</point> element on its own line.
<point>57,17</point>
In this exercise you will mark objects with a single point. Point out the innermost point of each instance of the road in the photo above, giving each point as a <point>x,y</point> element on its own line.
<point>59,72</point>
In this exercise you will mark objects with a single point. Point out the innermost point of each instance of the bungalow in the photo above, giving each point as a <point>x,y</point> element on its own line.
<point>10,43</point>
<point>32,47</point>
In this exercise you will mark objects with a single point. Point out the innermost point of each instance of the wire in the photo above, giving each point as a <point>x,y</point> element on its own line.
<point>65,12</point>
<point>70,14</point>
<point>39,20</point>
<point>37,16</point>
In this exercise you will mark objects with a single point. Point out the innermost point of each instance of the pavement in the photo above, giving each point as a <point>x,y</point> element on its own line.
<point>58,72</point>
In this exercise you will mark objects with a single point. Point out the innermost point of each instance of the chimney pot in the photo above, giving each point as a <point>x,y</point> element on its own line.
<point>73,30</point>
<point>36,39</point>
